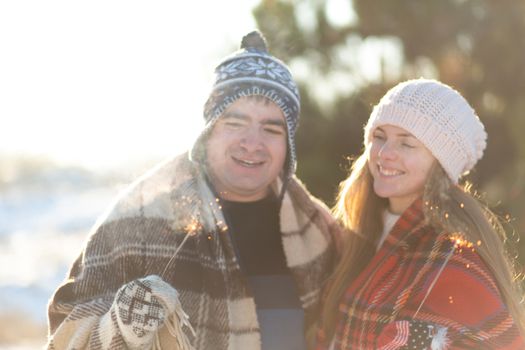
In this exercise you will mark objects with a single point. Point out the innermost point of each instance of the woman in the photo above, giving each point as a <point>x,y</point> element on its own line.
<point>425,266</point>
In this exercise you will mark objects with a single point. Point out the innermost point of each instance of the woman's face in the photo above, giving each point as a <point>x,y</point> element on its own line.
<point>400,165</point>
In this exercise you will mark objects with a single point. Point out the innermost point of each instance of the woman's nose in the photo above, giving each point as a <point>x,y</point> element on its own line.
<point>387,151</point>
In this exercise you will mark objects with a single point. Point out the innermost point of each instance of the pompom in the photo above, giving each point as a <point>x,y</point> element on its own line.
<point>254,40</point>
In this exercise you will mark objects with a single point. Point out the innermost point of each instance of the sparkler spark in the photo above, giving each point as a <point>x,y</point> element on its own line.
<point>193,227</point>
<point>460,242</point>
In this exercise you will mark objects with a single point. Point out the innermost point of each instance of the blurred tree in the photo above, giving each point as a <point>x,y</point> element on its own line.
<point>476,46</point>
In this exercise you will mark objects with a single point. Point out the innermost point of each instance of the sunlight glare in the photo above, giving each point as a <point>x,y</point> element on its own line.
<point>101,82</point>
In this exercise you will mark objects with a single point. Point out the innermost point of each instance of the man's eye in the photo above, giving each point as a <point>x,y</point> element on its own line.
<point>274,131</point>
<point>233,124</point>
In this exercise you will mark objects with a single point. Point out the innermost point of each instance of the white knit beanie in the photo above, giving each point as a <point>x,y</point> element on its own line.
<point>439,117</point>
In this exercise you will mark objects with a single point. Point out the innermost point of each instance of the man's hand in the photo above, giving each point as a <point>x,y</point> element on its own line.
<point>142,306</point>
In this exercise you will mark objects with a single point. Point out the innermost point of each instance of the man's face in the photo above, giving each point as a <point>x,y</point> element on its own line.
<point>246,149</point>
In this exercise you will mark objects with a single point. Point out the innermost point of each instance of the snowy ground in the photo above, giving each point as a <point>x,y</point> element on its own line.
<point>42,229</point>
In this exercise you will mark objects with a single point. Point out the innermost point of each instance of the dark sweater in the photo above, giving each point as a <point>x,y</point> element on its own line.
<point>254,227</point>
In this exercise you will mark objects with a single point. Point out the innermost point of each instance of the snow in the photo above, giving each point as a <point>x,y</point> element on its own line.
<point>44,222</point>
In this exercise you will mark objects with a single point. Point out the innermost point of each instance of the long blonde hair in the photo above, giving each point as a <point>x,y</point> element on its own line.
<point>447,207</point>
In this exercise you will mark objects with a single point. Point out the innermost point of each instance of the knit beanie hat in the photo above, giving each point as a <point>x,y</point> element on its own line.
<point>439,117</point>
<point>247,72</point>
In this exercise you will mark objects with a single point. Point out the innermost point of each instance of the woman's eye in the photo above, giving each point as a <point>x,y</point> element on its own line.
<point>378,137</point>
<point>407,145</point>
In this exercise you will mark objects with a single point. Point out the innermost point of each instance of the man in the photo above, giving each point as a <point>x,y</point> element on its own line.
<point>220,248</point>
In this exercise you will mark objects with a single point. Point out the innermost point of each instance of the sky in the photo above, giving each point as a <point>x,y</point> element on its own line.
<point>103,83</point>
<point>111,84</point>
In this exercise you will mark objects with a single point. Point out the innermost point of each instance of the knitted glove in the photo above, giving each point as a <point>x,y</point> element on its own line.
<point>142,307</point>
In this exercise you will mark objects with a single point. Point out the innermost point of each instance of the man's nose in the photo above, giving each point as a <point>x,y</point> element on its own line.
<point>251,139</point>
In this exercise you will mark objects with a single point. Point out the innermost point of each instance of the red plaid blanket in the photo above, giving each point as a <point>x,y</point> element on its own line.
<point>421,291</point>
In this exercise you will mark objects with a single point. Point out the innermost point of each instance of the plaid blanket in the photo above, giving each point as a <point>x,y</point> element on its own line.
<point>424,291</point>
<point>124,282</point>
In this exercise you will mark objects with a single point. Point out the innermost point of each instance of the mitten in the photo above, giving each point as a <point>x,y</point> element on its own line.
<point>142,307</point>
<point>412,334</point>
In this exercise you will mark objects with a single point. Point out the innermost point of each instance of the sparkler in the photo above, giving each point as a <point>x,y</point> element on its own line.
<point>192,228</point>
<point>459,243</point>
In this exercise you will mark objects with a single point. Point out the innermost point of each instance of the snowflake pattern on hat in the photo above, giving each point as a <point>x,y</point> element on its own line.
<point>262,68</point>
